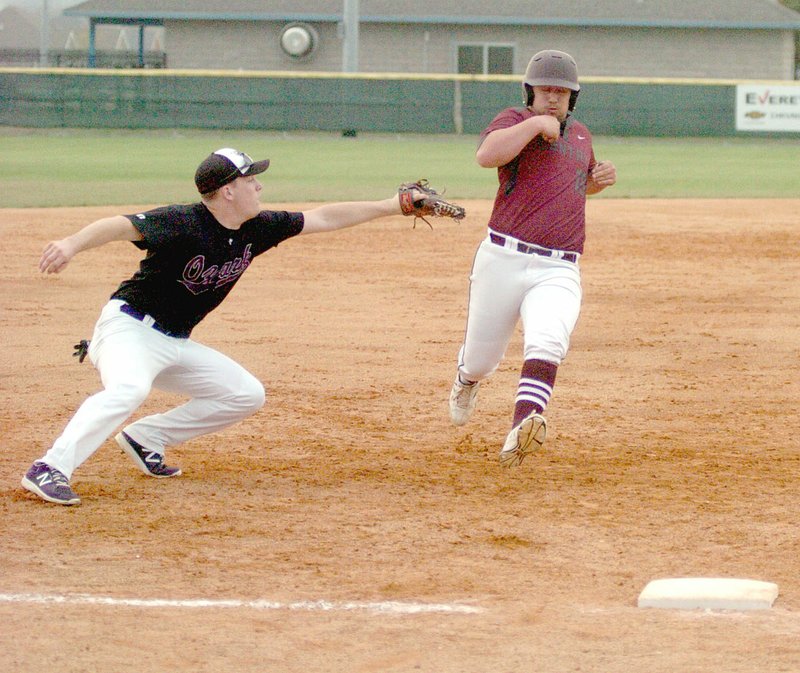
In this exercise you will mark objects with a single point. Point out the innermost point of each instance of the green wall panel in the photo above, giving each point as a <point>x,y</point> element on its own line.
<point>70,98</point>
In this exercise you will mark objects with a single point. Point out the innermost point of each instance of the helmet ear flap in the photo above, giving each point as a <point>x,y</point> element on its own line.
<point>573,98</point>
<point>528,89</point>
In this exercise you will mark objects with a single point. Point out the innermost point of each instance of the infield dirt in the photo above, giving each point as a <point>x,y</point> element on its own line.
<point>672,452</point>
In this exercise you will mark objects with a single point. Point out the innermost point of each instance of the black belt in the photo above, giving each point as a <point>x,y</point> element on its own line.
<point>529,249</point>
<point>138,315</point>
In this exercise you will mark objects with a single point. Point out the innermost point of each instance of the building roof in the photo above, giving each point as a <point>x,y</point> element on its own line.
<point>749,14</point>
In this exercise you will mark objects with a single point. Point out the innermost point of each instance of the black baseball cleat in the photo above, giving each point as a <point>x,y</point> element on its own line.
<point>149,462</point>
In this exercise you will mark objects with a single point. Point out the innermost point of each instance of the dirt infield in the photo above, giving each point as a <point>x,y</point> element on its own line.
<point>380,538</point>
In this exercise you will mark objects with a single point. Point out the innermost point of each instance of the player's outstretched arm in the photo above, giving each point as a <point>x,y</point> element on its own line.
<point>57,254</point>
<point>333,216</point>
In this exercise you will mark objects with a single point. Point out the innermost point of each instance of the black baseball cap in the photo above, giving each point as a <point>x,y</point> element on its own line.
<point>224,166</point>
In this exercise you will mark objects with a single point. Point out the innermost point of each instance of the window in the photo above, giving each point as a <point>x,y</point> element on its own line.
<point>485,59</point>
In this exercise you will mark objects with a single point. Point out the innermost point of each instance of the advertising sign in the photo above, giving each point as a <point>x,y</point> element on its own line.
<point>766,107</point>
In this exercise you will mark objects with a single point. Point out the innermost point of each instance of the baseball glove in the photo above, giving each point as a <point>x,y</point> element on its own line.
<point>81,350</point>
<point>430,204</point>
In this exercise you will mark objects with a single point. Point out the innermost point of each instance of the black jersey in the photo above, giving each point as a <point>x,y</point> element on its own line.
<point>193,262</point>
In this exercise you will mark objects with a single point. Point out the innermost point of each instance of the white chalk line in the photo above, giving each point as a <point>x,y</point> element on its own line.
<point>382,607</point>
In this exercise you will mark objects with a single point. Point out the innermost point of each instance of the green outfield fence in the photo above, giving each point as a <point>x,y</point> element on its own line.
<point>385,102</point>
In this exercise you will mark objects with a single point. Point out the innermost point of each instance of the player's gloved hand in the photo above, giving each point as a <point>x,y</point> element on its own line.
<point>420,200</point>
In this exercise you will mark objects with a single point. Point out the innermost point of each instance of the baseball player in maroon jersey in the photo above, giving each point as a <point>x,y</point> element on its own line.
<point>528,265</point>
<point>195,255</point>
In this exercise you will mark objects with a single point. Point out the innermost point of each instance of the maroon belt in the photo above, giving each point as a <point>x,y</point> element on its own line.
<point>530,249</point>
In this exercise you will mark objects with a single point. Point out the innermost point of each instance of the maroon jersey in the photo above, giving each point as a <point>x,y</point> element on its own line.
<point>542,193</point>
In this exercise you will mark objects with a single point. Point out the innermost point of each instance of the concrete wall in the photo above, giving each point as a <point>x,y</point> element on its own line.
<point>416,48</point>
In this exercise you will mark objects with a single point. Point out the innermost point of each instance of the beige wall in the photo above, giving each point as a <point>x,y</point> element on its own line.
<point>613,52</point>
<point>734,54</point>
<point>245,45</point>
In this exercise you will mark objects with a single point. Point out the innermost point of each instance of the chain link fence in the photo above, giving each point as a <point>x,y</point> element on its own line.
<point>79,58</point>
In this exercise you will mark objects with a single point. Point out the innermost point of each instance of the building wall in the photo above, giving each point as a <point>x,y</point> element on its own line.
<point>702,53</point>
<point>245,45</point>
<point>616,52</point>
<point>17,30</point>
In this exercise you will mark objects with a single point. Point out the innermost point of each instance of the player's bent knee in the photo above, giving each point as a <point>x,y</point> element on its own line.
<point>259,398</point>
<point>128,396</point>
<point>477,370</point>
<point>251,396</point>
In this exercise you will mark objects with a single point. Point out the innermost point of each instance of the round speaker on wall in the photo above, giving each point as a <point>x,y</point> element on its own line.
<point>298,40</point>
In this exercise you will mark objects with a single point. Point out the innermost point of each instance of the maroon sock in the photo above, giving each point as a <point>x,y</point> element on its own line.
<point>535,388</point>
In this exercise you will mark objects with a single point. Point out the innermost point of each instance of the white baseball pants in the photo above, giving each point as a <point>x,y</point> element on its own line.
<point>131,358</point>
<point>505,285</point>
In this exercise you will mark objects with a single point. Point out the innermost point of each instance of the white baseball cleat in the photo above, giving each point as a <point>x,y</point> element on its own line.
<point>523,439</point>
<point>462,400</point>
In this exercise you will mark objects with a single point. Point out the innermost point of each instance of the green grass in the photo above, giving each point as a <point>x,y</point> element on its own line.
<point>703,167</point>
<point>76,167</point>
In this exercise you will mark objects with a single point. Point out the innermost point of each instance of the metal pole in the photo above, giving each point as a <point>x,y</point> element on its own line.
<point>350,25</point>
<point>92,48</point>
<point>141,46</point>
<point>44,36</point>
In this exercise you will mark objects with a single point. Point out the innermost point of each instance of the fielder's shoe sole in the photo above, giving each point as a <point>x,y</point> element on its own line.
<point>49,484</point>
<point>149,462</point>
<point>526,438</point>
<point>463,397</point>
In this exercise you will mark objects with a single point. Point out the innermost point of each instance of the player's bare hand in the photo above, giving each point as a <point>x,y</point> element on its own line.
<point>55,256</point>
<point>604,174</point>
<point>550,128</point>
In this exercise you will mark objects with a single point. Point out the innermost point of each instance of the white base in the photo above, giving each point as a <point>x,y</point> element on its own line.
<point>708,593</point>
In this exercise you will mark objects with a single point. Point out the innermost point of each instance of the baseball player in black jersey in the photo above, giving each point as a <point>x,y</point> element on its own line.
<point>195,254</point>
